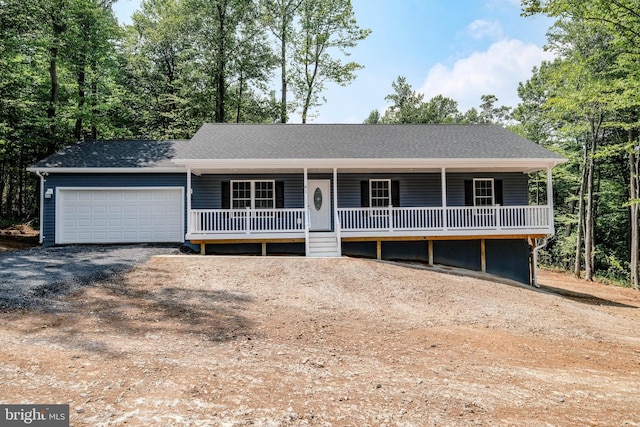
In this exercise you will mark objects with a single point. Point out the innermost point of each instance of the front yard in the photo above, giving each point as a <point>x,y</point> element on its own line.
<point>299,341</point>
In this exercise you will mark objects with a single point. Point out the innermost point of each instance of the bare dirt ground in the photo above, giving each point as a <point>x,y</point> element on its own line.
<point>224,341</point>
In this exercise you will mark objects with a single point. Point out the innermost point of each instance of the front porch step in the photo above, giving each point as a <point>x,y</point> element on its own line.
<point>323,245</point>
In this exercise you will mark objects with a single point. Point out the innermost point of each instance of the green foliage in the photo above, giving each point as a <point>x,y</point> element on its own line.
<point>409,106</point>
<point>327,27</point>
<point>586,101</point>
<point>69,72</point>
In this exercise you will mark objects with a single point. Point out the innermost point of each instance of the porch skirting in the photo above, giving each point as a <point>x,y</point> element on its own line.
<point>504,256</point>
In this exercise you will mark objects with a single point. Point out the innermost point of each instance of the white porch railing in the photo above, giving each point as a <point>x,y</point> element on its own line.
<point>386,219</point>
<point>248,221</point>
<point>449,218</point>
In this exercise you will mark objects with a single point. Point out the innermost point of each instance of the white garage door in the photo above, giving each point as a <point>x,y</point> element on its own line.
<point>120,215</point>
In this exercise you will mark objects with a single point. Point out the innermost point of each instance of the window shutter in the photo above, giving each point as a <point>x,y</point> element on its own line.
<point>395,193</point>
<point>468,192</point>
<point>279,194</point>
<point>226,194</point>
<point>364,194</point>
<point>497,188</point>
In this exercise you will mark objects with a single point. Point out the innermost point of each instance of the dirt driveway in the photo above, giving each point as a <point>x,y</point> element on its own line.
<point>223,341</point>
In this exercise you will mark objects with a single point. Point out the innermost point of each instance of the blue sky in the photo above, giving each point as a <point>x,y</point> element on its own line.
<point>458,48</point>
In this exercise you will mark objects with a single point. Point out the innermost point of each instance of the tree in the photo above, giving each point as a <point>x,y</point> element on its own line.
<point>229,48</point>
<point>374,118</point>
<point>325,26</point>
<point>55,86</point>
<point>612,24</point>
<point>489,113</point>
<point>279,16</point>
<point>155,53</point>
<point>409,106</point>
<point>405,103</point>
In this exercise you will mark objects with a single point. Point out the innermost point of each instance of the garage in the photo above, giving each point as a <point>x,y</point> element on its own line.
<point>119,215</point>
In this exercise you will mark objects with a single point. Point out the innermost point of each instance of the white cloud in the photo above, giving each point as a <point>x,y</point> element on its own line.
<point>496,71</point>
<point>481,28</point>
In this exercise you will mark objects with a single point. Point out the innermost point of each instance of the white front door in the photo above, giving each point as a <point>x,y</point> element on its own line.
<point>319,203</point>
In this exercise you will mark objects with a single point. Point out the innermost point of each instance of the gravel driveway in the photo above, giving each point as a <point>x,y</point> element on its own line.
<point>29,277</point>
<point>294,341</point>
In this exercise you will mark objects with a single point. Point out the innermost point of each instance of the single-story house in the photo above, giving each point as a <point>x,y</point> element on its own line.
<point>455,195</point>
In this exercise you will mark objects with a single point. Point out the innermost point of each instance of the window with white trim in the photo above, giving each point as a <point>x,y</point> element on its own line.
<point>379,193</point>
<point>483,193</point>
<point>253,194</point>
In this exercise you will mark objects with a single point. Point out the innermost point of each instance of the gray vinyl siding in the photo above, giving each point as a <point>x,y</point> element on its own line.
<point>415,189</point>
<point>515,191</point>
<point>207,193</point>
<point>101,180</point>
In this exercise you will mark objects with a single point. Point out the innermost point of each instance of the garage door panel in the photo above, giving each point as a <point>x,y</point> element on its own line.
<point>120,215</point>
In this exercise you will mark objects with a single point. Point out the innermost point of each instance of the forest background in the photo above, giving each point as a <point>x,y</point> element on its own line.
<point>69,72</point>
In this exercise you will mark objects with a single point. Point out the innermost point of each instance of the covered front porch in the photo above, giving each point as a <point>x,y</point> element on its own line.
<point>345,204</point>
<point>371,222</point>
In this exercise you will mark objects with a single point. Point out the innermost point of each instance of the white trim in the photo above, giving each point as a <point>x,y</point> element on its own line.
<point>165,187</point>
<point>189,193</point>
<point>388,181</point>
<point>58,207</point>
<point>336,218</point>
<point>525,165</point>
<point>443,191</point>
<point>43,180</point>
<point>252,189</point>
<point>550,200</point>
<point>166,169</point>
<point>493,191</point>
<point>522,164</point>
<point>305,181</point>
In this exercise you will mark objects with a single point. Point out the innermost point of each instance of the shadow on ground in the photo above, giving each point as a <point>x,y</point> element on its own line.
<point>92,318</point>
<point>584,298</point>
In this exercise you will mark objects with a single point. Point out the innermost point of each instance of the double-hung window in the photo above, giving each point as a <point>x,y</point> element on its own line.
<point>483,192</point>
<point>253,194</point>
<point>379,193</point>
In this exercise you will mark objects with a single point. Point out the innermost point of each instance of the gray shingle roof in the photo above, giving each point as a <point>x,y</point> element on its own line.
<point>308,141</point>
<point>359,141</point>
<point>116,154</point>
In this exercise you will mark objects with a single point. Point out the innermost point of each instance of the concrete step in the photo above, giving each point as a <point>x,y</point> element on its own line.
<point>323,245</point>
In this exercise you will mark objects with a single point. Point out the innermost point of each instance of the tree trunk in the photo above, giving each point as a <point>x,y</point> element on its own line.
<point>577,268</point>
<point>94,100</point>
<point>3,177</point>
<point>220,66</point>
<point>589,229</point>
<point>57,29</point>
<point>77,133</point>
<point>283,71</point>
<point>53,97</point>
<point>634,169</point>
<point>240,92</point>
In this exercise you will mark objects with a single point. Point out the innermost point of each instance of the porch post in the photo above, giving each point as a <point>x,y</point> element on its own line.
<point>188,200</point>
<point>443,181</point>
<point>306,212</point>
<point>550,199</point>
<point>336,220</point>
